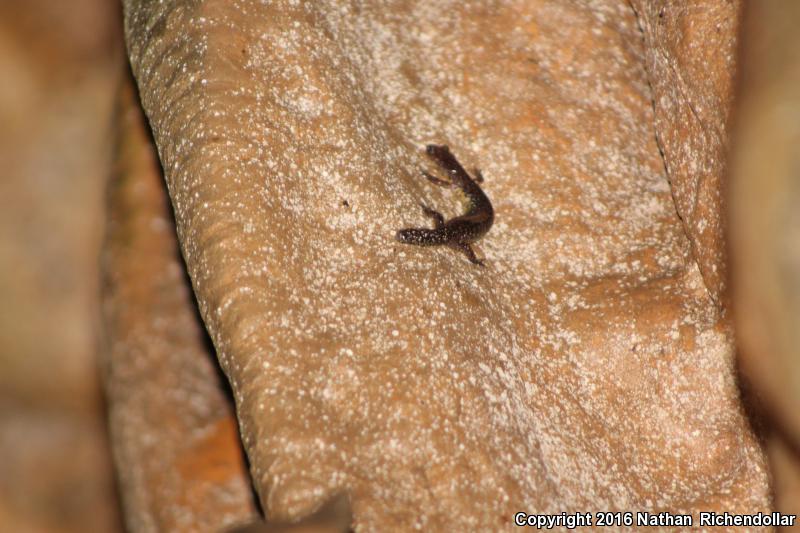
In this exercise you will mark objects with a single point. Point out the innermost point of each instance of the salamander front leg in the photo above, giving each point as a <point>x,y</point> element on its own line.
<point>437,181</point>
<point>437,217</point>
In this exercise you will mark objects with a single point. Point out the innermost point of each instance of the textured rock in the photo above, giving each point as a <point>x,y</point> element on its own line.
<point>333,517</point>
<point>173,431</point>
<point>690,56</point>
<point>585,368</point>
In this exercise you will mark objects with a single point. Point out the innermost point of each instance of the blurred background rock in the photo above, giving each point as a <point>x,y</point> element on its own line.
<point>60,64</point>
<point>764,231</point>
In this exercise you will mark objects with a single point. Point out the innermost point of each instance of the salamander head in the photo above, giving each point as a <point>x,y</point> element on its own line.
<point>437,150</point>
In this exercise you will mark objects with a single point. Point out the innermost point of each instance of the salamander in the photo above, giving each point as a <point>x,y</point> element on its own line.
<point>461,231</point>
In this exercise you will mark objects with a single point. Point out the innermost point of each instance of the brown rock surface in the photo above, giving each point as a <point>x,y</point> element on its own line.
<point>173,430</point>
<point>585,368</point>
<point>56,86</point>
<point>690,52</point>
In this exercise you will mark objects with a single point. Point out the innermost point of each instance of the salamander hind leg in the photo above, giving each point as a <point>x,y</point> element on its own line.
<point>467,249</point>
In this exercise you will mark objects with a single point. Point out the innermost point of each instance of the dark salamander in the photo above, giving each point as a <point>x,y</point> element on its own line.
<point>458,232</point>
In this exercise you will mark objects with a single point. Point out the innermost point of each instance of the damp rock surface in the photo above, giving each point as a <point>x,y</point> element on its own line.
<point>584,368</point>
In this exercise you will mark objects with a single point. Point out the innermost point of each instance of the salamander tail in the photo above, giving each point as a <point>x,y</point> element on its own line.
<point>421,236</point>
